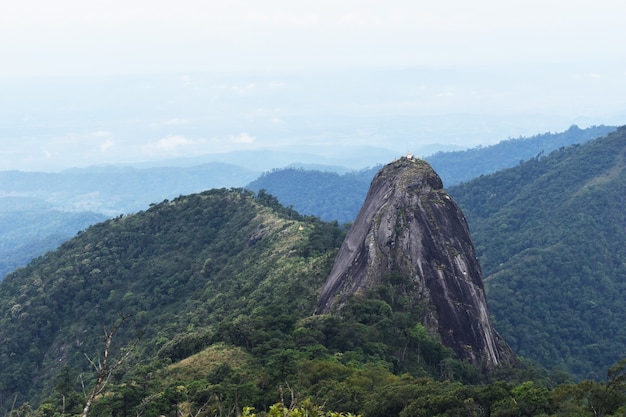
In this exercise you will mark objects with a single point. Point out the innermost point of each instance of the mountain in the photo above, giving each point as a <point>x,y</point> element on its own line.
<point>29,227</point>
<point>204,305</point>
<point>215,270</point>
<point>189,267</point>
<point>549,242</point>
<point>339,197</point>
<point>113,190</point>
<point>462,166</point>
<point>328,195</point>
<point>39,210</point>
<point>217,291</point>
<point>412,239</point>
<point>551,236</point>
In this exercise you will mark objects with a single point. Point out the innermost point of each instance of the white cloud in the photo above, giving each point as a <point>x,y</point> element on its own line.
<point>245,89</point>
<point>106,145</point>
<point>243,138</point>
<point>186,80</point>
<point>171,143</point>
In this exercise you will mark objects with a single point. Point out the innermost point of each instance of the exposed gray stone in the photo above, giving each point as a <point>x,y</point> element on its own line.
<point>410,227</point>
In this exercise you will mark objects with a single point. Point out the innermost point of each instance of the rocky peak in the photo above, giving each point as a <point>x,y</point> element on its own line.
<point>409,226</point>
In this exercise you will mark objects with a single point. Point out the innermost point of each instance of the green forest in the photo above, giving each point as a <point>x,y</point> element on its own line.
<point>551,237</point>
<point>327,195</point>
<point>462,166</point>
<point>30,227</point>
<point>204,306</point>
<point>207,303</point>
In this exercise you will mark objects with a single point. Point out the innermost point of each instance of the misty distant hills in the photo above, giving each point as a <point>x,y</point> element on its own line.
<point>340,159</point>
<point>461,166</point>
<point>328,195</point>
<point>114,190</point>
<point>332,196</point>
<point>40,210</point>
<point>326,186</point>
<point>30,227</point>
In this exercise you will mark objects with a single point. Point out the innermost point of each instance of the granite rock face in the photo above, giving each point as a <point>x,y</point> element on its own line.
<point>409,227</point>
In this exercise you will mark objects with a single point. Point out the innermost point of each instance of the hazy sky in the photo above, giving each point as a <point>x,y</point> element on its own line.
<point>526,66</point>
<point>121,36</point>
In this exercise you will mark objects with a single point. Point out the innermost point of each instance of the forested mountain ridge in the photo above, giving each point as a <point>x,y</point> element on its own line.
<point>461,166</point>
<point>156,261</point>
<point>328,195</point>
<point>217,290</point>
<point>30,227</point>
<point>332,196</point>
<point>551,237</point>
<point>40,210</point>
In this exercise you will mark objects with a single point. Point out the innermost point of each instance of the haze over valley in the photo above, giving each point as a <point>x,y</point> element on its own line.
<point>353,118</point>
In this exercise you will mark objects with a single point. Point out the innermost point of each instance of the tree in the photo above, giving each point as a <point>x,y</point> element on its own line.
<point>606,400</point>
<point>105,366</point>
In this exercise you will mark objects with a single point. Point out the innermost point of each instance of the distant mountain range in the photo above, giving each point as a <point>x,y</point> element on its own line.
<point>113,190</point>
<point>328,195</point>
<point>38,210</point>
<point>457,167</point>
<point>326,186</point>
<point>219,299</point>
<point>332,196</point>
<point>30,227</point>
<point>549,232</point>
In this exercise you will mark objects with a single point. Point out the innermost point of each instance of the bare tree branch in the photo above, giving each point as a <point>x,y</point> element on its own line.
<point>104,369</point>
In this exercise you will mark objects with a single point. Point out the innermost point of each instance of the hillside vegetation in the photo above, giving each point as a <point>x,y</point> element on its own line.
<point>327,195</point>
<point>463,166</point>
<point>332,196</point>
<point>551,238</point>
<point>40,210</point>
<point>30,227</point>
<point>211,295</point>
<point>191,263</point>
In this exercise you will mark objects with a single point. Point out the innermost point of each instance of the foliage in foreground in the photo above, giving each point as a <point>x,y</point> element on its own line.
<point>222,285</point>
<point>335,390</point>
